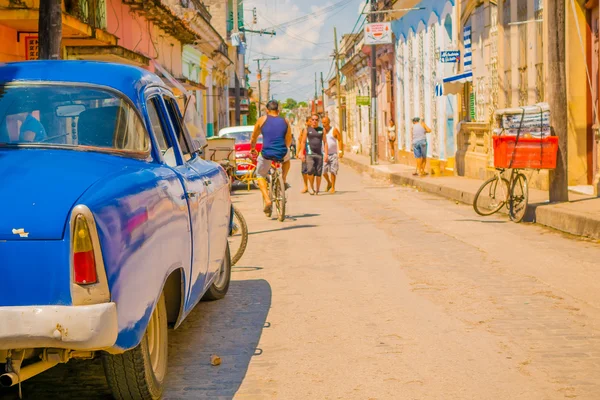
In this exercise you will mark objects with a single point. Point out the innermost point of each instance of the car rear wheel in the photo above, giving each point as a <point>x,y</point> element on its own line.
<point>218,289</point>
<point>139,373</point>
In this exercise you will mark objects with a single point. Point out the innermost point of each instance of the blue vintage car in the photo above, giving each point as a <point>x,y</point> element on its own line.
<point>111,224</point>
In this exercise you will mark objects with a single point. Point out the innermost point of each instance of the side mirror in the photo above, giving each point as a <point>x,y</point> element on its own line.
<point>199,146</point>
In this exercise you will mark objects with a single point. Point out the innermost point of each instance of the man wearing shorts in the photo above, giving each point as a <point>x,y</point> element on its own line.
<point>304,170</point>
<point>335,145</point>
<point>313,147</point>
<point>277,138</point>
<point>419,140</point>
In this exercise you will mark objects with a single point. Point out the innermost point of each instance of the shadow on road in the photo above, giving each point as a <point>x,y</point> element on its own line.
<point>229,328</point>
<point>491,221</point>
<point>300,216</point>
<point>287,228</point>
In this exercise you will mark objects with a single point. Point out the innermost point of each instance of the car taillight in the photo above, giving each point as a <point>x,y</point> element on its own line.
<point>84,262</point>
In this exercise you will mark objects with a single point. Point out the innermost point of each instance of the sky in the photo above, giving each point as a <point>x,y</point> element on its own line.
<point>303,48</point>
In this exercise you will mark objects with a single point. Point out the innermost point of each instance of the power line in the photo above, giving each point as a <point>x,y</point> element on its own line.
<point>306,17</point>
<point>285,32</point>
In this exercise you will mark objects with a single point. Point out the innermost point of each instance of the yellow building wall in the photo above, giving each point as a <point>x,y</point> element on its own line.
<point>577,101</point>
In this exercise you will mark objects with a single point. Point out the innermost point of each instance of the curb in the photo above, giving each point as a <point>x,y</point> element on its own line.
<point>549,215</point>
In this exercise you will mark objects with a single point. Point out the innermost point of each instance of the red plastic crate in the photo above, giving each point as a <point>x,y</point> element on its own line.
<point>533,153</point>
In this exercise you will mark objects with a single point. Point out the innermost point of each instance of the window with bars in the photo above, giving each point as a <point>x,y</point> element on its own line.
<point>539,61</point>
<point>506,6</point>
<point>523,50</point>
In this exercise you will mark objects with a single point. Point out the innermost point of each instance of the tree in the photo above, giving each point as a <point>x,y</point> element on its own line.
<point>50,29</point>
<point>252,113</point>
<point>290,104</point>
<point>303,104</point>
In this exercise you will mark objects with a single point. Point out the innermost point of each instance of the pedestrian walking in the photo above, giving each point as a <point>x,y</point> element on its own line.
<point>335,147</point>
<point>304,170</point>
<point>391,135</point>
<point>419,140</point>
<point>313,145</point>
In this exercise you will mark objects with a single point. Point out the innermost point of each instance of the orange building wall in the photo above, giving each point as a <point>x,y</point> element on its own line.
<point>10,49</point>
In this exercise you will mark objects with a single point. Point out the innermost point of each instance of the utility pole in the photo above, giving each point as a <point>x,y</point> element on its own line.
<point>269,85</point>
<point>323,92</point>
<point>50,29</point>
<point>557,96</point>
<point>316,97</point>
<point>373,93</point>
<point>259,76</point>
<point>337,80</point>
<point>236,30</point>
<point>259,79</point>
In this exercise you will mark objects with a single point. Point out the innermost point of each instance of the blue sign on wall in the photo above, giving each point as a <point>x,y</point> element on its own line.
<point>450,56</point>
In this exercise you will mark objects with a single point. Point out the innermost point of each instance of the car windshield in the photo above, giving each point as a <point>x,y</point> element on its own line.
<point>69,116</point>
<point>240,137</point>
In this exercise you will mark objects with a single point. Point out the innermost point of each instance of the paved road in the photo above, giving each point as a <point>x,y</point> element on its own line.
<point>382,292</point>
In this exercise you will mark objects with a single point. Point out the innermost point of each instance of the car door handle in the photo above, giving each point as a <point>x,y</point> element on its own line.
<point>191,195</point>
<point>207,182</point>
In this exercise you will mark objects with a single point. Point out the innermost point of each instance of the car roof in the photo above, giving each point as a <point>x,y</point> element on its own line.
<point>236,129</point>
<point>127,79</point>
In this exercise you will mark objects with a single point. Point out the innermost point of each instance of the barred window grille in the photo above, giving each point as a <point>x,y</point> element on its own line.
<point>433,80</point>
<point>421,73</point>
<point>507,56</point>
<point>411,75</point>
<point>493,65</point>
<point>522,62</point>
<point>539,65</point>
<point>400,107</point>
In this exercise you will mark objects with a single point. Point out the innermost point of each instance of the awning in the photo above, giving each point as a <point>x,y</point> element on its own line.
<point>454,84</point>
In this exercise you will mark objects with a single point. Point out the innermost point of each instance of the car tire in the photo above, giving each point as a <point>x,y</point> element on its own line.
<point>218,289</point>
<point>139,374</point>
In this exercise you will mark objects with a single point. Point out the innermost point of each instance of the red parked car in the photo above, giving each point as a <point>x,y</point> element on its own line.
<point>242,135</point>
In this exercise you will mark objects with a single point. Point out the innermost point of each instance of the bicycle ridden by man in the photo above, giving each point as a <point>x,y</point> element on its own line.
<point>277,138</point>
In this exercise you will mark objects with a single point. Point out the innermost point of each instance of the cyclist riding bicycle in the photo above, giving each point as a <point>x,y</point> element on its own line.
<point>277,138</point>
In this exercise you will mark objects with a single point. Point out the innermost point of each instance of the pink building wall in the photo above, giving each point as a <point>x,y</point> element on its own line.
<point>138,34</point>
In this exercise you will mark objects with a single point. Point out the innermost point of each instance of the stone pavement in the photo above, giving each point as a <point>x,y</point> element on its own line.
<point>581,216</point>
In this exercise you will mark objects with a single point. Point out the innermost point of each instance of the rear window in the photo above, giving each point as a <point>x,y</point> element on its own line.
<point>71,116</point>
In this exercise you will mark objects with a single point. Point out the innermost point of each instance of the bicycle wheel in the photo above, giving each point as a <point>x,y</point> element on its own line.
<point>238,239</point>
<point>519,197</point>
<point>491,197</point>
<point>279,191</point>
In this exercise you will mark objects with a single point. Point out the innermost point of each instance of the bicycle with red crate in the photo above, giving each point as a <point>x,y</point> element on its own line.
<point>522,142</point>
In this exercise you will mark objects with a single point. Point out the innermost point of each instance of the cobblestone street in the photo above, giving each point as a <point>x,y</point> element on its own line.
<point>383,292</point>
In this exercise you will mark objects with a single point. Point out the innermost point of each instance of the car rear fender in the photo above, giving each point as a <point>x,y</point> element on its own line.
<point>173,288</point>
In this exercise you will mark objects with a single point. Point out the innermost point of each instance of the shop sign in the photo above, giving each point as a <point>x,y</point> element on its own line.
<point>363,101</point>
<point>450,56</point>
<point>378,33</point>
<point>31,48</point>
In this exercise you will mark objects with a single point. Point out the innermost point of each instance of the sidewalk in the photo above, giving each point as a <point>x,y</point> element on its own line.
<point>581,216</point>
